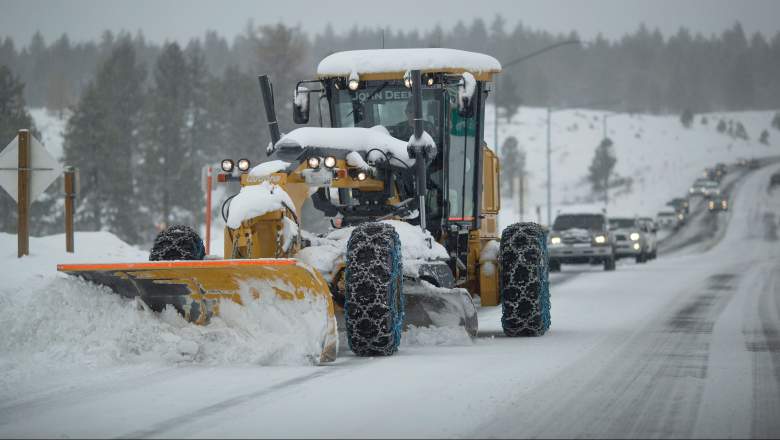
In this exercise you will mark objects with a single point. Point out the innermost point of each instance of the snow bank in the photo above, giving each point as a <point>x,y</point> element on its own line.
<point>348,138</point>
<point>256,200</point>
<point>53,322</point>
<point>354,159</point>
<point>327,252</point>
<point>401,60</point>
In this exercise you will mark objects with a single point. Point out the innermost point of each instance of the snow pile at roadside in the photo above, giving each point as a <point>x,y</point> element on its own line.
<point>327,252</point>
<point>54,322</point>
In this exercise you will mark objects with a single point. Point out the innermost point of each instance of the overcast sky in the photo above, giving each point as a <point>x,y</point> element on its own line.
<point>182,20</point>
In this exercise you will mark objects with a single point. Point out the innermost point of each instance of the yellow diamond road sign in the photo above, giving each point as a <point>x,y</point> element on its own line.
<point>44,168</point>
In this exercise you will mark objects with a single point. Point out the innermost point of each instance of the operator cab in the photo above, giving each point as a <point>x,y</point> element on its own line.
<point>380,95</point>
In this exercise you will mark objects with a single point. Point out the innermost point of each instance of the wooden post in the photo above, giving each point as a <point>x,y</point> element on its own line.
<point>23,204</point>
<point>70,198</point>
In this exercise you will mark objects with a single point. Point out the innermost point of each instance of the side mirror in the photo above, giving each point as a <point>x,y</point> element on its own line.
<point>467,87</point>
<point>301,105</point>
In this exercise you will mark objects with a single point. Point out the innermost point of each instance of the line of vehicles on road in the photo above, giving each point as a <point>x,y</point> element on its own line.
<point>588,236</point>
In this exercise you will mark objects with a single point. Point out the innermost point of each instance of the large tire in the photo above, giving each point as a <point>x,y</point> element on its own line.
<point>177,242</point>
<point>524,280</point>
<point>373,303</point>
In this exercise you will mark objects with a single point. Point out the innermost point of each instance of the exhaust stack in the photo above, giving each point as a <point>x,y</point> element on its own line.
<point>270,113</point>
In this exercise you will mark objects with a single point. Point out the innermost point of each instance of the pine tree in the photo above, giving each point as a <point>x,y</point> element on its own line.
<point>510,160</point>
<point>686,118</point>
<point>13,117</point>
<point>171,181</point>
<point>740,132</point>
<point>764,139</point>
<point>721,126</point>
<point>101,140</point>
<point>601,167</point>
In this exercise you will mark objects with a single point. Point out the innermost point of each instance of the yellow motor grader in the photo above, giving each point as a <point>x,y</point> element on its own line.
<point>412,192</point>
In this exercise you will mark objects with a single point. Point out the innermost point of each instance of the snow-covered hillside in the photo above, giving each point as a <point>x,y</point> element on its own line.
<point>657,152</point>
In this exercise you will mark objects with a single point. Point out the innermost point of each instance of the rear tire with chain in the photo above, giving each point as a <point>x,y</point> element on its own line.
<point>177,242</point>
<point>524,280</point>
<point>373,304</point>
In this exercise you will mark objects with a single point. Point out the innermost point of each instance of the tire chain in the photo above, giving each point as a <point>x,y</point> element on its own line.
<point>373,282</point>
<point>524,280</point>
<point>177,242</point>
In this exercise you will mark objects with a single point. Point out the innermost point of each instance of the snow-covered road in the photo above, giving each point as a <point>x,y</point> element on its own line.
<point>685,345</point>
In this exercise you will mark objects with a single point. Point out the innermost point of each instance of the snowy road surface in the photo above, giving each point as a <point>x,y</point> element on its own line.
<point>684,346</point>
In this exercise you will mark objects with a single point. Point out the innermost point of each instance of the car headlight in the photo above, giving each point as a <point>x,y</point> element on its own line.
<point>634,236</point>
<point>243,164</point>
<point>724,204</point>
<point>227,165</point>
<point>313,162</point>
<point>330,161</point>
<point>636,246</point>
<point>679,216</point>
<point>555,240</point>
<point>600,239</point>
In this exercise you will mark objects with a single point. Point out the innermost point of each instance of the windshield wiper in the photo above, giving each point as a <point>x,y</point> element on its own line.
<point>374,93</point>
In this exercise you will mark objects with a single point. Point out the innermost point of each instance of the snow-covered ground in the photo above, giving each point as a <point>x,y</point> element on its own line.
<point>681,346</point>
<point>657,152</point>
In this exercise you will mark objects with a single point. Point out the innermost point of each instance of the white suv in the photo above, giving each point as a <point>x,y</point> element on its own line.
<point>581,238</point>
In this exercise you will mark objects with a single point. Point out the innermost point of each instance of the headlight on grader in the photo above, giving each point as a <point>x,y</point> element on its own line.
<point>361,176</point>
<point>313,162</point>
<point>330,161</point>
<point>243,164</point>
<point>227,165</point>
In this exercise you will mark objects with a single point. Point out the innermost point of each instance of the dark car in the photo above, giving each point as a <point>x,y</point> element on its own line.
<point>679,204</point>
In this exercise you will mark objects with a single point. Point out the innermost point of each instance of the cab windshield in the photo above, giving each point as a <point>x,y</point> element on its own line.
<point>388,104</point>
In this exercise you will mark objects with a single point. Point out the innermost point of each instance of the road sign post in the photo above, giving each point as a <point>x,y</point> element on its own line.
<point>23,195</point>
<point>26,170</point>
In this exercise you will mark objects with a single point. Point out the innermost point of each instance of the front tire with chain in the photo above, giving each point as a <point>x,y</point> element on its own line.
<point>373,304</point>
<point>524,280</point>
<point>177,242</point>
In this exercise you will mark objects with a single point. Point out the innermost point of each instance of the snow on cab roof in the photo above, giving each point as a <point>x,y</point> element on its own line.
<point>398,61</point>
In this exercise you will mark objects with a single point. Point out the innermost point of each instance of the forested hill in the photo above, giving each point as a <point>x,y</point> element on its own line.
<point>644,71</point>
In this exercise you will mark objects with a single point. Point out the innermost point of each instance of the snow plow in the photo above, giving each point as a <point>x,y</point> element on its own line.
<point>412,193</point>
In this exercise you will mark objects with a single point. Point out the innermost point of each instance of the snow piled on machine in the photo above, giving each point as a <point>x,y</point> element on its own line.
<point>256,200</point>
<point>374,141</point>
<point>54,322</point>
<point>325,253</point>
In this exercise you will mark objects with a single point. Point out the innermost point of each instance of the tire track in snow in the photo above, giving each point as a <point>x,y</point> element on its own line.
<point>159,428</point>
<point>649,385</point>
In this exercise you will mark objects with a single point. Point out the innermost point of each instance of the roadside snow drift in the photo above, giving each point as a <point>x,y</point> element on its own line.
<point>54,322</point>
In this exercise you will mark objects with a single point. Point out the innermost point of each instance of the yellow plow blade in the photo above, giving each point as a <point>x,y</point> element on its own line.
<point>196,288</point>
